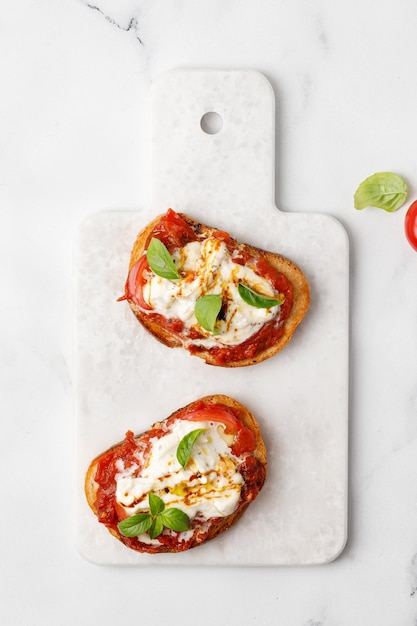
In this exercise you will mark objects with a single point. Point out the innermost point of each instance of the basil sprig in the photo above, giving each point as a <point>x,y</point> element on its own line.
<point>185,446</point>
<point>207,309</point>
<point>160,260</point>
<point>250,296</point>
<point>383,190</point>
<point>154,522</point>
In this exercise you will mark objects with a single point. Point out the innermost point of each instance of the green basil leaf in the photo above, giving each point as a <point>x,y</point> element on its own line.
<point>175,519</point>
<point>135,525</point>
<point>207,309</point>
<point>156,528</point>
<point>160,260</point>
<point>156,504</point>
<point>186,444</point>
<point>255,299</point>
<point>383,190</point>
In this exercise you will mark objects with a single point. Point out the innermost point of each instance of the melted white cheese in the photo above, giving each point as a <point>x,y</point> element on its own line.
<point>209,486</point>
<point>207,268</point>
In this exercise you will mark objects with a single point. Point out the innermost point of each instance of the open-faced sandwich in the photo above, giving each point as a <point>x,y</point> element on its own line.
<point>194,286</point>
<point>184,481</point>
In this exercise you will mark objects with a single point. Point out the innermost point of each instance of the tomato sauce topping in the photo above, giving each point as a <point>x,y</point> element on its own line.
<point>105,473</point>
<point>172,324</point>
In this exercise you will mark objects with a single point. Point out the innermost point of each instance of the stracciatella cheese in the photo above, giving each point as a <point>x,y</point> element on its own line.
<point>207,268</point>
<point>209,485</point>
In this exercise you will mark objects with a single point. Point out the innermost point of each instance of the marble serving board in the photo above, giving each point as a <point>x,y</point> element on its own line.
<point>125,379</point>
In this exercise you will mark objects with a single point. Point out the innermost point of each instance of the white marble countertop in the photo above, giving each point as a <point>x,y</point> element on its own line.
<point>74,118</point>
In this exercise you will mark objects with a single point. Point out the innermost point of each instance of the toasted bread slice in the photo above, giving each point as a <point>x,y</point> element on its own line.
<point>234,475</point>
<point>254,343</point>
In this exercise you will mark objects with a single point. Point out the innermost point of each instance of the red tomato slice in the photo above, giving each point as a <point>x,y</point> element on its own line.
<point>410,225</point>
<point>172,231</point>
<point>222,235</point>
<point>120,511</point>
<point>135,282</point>
<point>244,438</point>
<point>215,413</point>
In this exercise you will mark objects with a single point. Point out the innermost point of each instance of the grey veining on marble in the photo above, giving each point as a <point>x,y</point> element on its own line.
<point>75,122</point>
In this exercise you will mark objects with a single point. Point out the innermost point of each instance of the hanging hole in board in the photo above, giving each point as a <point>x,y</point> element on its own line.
<point>211,123</point>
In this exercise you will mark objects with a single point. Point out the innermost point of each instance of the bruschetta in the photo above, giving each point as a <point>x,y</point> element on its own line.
<point>229,303</point>
<point>187,479</point>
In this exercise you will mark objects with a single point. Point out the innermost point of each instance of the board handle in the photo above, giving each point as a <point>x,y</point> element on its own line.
<point>213,141</point>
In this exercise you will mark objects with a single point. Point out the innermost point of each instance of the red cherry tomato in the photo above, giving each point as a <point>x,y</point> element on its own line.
<point>410,225</point>
<point>215,413</point>
<point>244,438</point>
<point>173,231</point>
<point>136,281</point>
